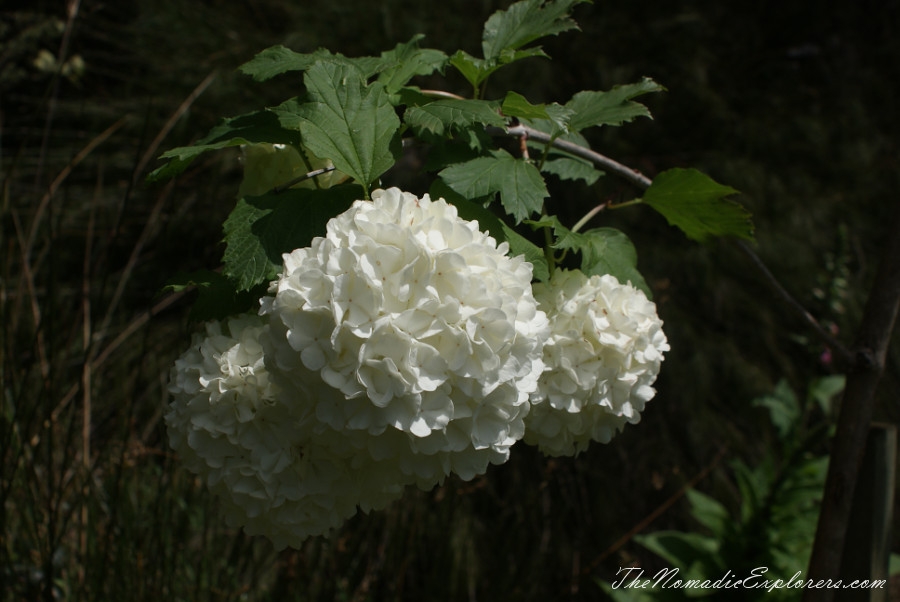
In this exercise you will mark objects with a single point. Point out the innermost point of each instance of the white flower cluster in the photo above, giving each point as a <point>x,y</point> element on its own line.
<point>602,357</point>
<point>401,347</point>
<point>228,423</point>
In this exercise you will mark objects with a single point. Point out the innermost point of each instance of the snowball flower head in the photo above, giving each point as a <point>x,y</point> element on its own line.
<point>254,447</point>
<point>424,325</point>
<point>602,357</point>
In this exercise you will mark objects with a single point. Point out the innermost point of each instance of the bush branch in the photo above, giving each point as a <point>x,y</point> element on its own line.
<point>857,408</point>
<point>642,182</point>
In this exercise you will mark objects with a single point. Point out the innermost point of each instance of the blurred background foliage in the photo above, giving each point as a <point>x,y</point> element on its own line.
<point>794,106</point>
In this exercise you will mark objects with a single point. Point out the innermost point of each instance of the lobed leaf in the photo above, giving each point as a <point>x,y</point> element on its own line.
<point>443,116</point>
<point>569,167</point>
<point>824,390</point>
<point>476,70</point>
<point>525,22</point>
<point>521,187</point>
<point>615,107</point>
<point>603,251</point>
<point>406,61</point>
<point>695,203</point>
<point>519,245</point>
<point>260,229</point>
<point>347,121</point>
<point>279,59</point>
<point>258,126</point>
<point>516,105</point>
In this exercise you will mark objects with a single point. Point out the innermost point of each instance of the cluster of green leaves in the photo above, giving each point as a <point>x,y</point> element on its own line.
<point>358,112</point>
<point>775,521</point>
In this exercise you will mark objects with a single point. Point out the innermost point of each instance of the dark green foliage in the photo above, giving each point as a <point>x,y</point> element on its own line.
<point>772,529</point>
<point>260,229</point>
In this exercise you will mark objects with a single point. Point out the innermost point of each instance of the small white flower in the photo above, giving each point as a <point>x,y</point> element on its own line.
<point>602,357</point>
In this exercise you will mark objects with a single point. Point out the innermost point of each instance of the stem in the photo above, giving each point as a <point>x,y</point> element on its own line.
<point>867,365</point>
<point>642,182</point>
<point>587,216</point>
<point>839,348</point>
<point>306,176</point>
<point>637,201</point>
<point>442,94</point>
<point>633,176</point>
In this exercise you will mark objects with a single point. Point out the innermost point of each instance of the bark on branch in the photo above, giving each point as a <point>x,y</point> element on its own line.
<point>857,408</point>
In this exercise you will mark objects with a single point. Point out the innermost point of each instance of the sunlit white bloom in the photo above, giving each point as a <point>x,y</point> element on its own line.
<point>602,357</point>
<point>400,348</point>
<point>425,326</point>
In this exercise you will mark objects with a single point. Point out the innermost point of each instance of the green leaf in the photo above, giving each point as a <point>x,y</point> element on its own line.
<point>258,126</point>
<point>279,59</point>
<point>610,251</point>
<point>477,70</point>
<point>823,390</point>
<point>521,187</point>
<point>560,163</point>
<point>590,108</point>
<point>516,105</point>
<point>519,245</point>
<point>217,296</point>
<point>348,122</point>
<point>603,251</point>
<point>570,167</point>
<point>525,22</point>
<point>783,407</point>
<point>690,552</point>
<point>443,116</point>
<point>260,229</point>
<point>710,513</point>
<point>406,61</point>
<point>695,203</point>
<point>267,166</point>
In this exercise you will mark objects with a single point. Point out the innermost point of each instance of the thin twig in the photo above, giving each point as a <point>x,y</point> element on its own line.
<point>587,216</point>
<point>306,176</point>
<point>183,108</point>
<point>63,174</point>
<point>640,181</point>
<point>124,278</point>
<point>602,161</point>
<point>838,348</point>
<point>113,346</point>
